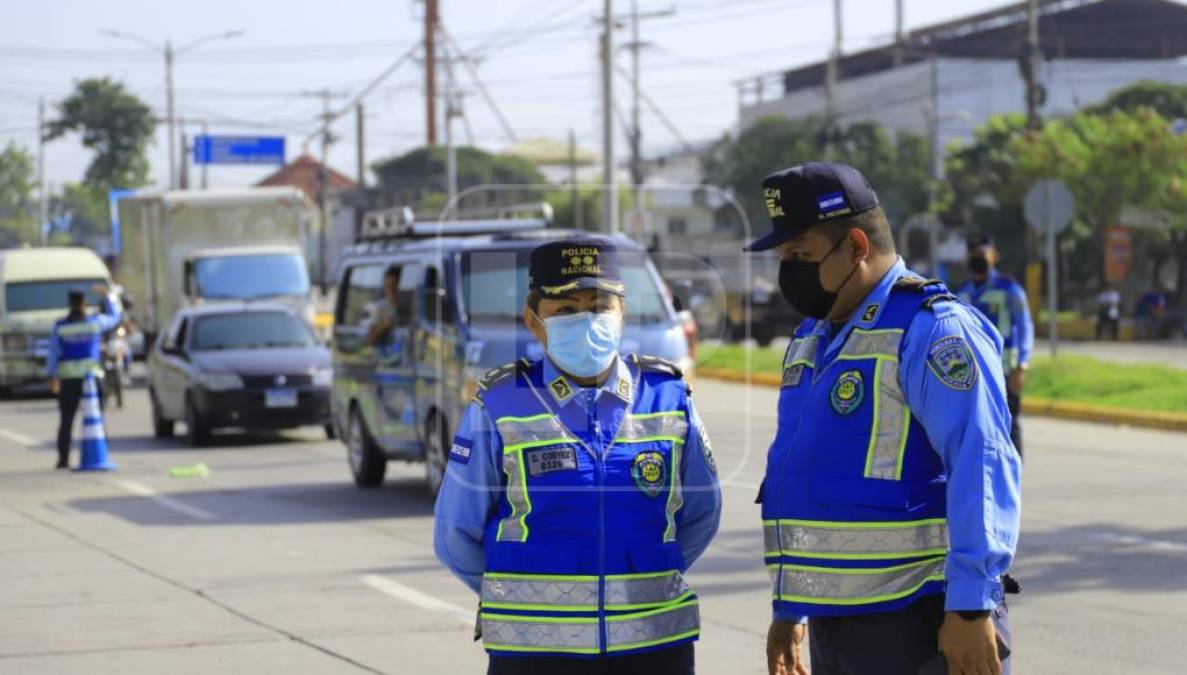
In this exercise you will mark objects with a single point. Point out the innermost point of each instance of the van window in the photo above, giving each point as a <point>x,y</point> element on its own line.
<point>250,330</point>
<point>495,286</point>
<point>26,296</point>
<point>363,287</point>
<point>249,277</point>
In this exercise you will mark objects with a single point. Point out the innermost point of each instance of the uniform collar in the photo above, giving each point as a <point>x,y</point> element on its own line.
<point>563,389</point>
<point>870,308</point>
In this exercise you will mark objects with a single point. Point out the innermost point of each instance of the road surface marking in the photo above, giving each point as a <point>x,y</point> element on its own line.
<point>170,503</point>
<point>412,596</point>
<point>18,437</point>
<point>1133,540</point>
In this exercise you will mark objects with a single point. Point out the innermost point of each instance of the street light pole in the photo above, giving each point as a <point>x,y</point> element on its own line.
<point>169,114</point>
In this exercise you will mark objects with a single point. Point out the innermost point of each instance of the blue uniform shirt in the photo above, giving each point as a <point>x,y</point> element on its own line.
<point>971,432</point>
<point>106,320</point>
<point>1004,302</point>
<point>471,490</point>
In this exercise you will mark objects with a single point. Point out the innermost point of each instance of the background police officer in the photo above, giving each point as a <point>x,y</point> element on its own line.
<point>75,345</point>
<point>1003,300</point>
<point>891,496</point>
<point>579,488</point>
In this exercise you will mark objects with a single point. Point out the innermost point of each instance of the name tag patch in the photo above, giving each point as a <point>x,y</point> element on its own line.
<point>549,460</point>
<point>460,451</point>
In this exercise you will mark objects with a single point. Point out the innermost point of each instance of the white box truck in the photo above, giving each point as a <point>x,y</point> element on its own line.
<point>191,247</point>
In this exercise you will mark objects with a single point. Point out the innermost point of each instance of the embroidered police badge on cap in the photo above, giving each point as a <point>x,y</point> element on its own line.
<point>650,472</point>
<point>558,268</point>
<point>847,393</point>
<point>951,360</point>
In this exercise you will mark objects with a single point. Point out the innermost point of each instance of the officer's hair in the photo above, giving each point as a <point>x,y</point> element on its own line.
<point>534,300</point>
<point>871,221</point>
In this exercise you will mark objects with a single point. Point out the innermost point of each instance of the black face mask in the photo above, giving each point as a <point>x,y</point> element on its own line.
<point>799,282</point>
<point>978,265</point>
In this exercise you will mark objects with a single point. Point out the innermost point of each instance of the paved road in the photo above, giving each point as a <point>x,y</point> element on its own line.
<point>276,562</point>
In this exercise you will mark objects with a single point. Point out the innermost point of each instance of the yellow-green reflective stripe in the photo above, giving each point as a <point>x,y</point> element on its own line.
<point>850,541</point>
<point>580,593</point>
<point>667,426</point>
<point>888,438</point>
<point>577,635</point>
<point>802,352</point>
<point>78,328</point>
<point>854,586</point>
<point>514,527</point>
<point>77,368</point>
<point>668,624</point>
<point>675,494</point>
<point>523,432</point>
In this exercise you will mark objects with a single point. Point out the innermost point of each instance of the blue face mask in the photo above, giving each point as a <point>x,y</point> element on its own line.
<point>583,344</point>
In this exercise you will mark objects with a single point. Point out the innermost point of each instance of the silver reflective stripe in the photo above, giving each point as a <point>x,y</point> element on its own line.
<point>666,425</point>
<point>855,540</point>
<point>675,494</point>
<point>874,343</point>
<point>888,438</point>
<point>801,354</point>
<point>521,590</point>
<point>538,429</point>
<point>76,368</point>
<point>855,586</point>
<point>540,634</point>
<point>514,526</point>
<point>644,590</point>
<point>650,628</point>
<point>76,328</point>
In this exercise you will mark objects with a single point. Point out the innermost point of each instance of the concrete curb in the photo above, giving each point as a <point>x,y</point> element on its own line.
<point>1083,412</point>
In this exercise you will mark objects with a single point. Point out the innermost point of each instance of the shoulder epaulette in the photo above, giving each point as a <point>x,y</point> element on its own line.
<point>915,283</point>
<point>656,364</point>
<point>931,301</point>
<point>499,374</point>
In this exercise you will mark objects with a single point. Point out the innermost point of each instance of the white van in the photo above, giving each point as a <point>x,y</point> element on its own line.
<point>34,283</point>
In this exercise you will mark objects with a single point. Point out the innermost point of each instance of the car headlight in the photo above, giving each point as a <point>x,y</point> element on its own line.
<point>15,342</point>
<point>220,381</point>
<point>323,377</point>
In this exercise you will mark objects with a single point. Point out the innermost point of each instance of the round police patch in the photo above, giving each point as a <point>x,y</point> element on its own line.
<point>848,392</point>
<point>952,362</point>
<point>650,472</point>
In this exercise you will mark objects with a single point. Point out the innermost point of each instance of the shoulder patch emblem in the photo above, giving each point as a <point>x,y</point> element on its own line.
<point>460,451</point>
<point>847,392</point>
<point>560,388</point>
<point>650,472</point>
<point>951,360</point>
<point>624,389</point>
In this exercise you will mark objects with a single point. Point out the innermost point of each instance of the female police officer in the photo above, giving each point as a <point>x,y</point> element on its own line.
<point>579,488</point>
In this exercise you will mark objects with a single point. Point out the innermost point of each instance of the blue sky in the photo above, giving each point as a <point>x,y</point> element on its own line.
<point>538,58</point>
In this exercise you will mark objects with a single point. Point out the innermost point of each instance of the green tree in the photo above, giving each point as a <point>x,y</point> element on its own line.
<point>1168,100</point>
<point>17,222</point>
<point>418,178</point>
<point>115,124</point>
<point>81,211</point>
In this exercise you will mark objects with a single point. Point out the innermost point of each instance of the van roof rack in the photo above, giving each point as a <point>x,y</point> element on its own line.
<point>401,222</point>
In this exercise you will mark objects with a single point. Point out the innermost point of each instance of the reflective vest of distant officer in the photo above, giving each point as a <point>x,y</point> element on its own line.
<point>75,353</point>
<point>1003,301</point>
<point>891,498</point>
<point>580,487</point>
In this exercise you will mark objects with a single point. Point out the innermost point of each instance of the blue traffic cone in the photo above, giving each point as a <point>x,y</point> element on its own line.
<point>94,437</point>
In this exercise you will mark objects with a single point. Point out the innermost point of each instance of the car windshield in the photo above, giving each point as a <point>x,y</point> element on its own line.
<point>495,286</point>
<point>253,330</point>
<point>35,295</point>
<point>246,277</point>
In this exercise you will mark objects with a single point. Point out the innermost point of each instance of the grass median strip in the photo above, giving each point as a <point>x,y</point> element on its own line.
<point>1069,379</point>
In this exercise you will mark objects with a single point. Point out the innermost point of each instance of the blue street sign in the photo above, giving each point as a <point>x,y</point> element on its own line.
<point>238,149</point>
<point>113,200</point>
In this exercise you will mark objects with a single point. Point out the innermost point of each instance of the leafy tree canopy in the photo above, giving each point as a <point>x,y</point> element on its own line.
<point>115,124</point>
<point>419,177</point>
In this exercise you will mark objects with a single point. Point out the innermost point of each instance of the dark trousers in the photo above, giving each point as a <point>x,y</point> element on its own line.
<point>888,643</point>
<point>69,397</point>
<point>676,660</point>
<point>1014,401</point>
<point>1107,324</point>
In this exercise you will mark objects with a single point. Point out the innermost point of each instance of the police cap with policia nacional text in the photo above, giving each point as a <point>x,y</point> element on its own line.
<point>808,194</point>
<point>561,267</point>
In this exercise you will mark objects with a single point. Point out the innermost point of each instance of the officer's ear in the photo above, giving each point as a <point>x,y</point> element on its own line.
<point>860,242</point>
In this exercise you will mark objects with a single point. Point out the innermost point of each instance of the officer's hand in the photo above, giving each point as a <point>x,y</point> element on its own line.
<point>783,648</point>
<point>1016,381</point>
<point>970,647</point>
<point>55,386</point>
<point>100,289</point>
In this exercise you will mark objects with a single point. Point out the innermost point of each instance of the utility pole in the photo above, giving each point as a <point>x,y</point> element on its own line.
<point>323,177</point>
<point>431,19</point>
<point>169,114</point>
<point>830,84</point>
<point>42,193</point>
<point>183,171</point>
<point>610,190</point>
<point>1031,71</point>
<point>360,144</point>
<point>900,37</point>
<point>636,131</point>
<point>575,190</point>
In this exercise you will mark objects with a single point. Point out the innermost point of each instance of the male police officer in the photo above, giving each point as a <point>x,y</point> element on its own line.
<point>1003,300</point>
<point>579,488</point>
<point>74,355</point>
<point>891,497</point>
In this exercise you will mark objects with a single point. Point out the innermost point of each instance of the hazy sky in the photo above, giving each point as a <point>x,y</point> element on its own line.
<point>538,58</point>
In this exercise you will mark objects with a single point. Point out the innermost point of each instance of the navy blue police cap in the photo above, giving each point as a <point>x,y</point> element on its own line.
<point>808,194</point>
<point>979,240</point>
<point>76,295</point>
<point>561,267</point>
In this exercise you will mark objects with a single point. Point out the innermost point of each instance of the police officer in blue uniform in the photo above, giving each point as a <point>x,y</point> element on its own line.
<point>1003,301</point>
<point>579,488</point>
<point>891,498</point>
<point>75,345</point>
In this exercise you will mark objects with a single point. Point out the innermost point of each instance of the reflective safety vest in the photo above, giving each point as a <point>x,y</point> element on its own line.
<point>79,347</point>
<point>994,302</point>
<point>853,502</point>
<point>581,557</point>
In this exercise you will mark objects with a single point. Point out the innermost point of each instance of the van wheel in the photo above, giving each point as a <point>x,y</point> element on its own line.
<point>436,448</point>
<point>161,427</point>
<point>367,465</point>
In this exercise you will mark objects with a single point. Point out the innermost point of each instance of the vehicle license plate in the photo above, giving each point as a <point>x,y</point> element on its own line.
<point>280,398</point>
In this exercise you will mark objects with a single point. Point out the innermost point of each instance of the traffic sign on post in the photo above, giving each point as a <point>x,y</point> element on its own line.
<point>1049,208</point>
<point>238,149</point>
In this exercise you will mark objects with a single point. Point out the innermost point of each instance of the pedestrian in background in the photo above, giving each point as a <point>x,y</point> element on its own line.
<point>75,353</point>
<point>1003,301</point>
<point>579,489</point>
<point>1108,313</point>
<point>1151,313</point>
<point>891,498</point>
